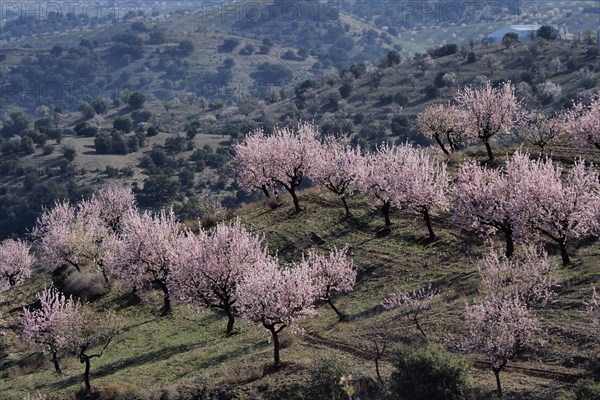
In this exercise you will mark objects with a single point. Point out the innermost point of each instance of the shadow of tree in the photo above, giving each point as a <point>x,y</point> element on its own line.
<point>151,357</point>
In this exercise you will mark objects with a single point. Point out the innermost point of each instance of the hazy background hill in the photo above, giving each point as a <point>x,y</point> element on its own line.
<point>153,97</point>
<point>205,74</point>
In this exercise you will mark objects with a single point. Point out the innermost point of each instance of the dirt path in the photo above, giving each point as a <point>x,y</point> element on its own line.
<point>541,372</point>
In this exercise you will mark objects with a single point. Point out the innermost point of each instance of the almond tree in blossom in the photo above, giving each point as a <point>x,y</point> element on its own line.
<point>380,178</point>
<point>15,263</point>
<point>539,129</point>
<point>488,112</point>
<point>425,186</point>
<point>414,303</point>
<point>484,200</point>
<point>336,167</point>
<point>276,299</point>
<point>111,204</point>
<point>289,158</point>
<point>145,252</point>
<point>99,329</point>
<point>251,163</point>
<point>69,235</point>
<point>442,123</point>
<point>74,234</point>
<point>555,204</point>
<point>331,273</point>
<point>501,324</point>
<point>499,327</point>
<point>55,326</point>
<point>529,276</point>
<point>210,266</point>
<point>583,121</point>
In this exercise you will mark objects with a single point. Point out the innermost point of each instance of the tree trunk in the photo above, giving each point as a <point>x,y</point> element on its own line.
<point>489,151</point>
<point>295,199</point>
<point>276,346</point>
<point>563,252</point>
<point>348,213</point>
<point>451,142</point>
<point>11,281</point>
<point>386,214</point>
<point>416,319</point>
<point>105,275</point>
<point>510,244</point>
<point>166,298</point>
<point>377,369</point>
<point>55,362</point>
<point>86,375</point>
<point>428,223</point>
<point>497,375</point>
<point>265,191</point>
<point>340,314</point>
<point>230,321</point>
<point>439,142</point>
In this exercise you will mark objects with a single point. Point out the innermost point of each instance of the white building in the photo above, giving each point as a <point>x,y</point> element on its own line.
<point>524,32</point>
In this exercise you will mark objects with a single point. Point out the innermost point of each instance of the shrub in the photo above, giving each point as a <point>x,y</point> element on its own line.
<point>123,124</point>
<point>120,391</point>
<point>47,149</point>
<point>136,100</point>
<point>585,389</point>
<point>85,129</point>
<point>69,153</point>
<point>325,376</point>
<point>430,373</point>
<point>325,382</point>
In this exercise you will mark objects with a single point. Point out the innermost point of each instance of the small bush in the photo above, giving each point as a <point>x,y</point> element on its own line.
<point>120,391</point>
<point>585,389</point>
<point>430,373</point>
<point>325,376</point>
<point>47,149</point>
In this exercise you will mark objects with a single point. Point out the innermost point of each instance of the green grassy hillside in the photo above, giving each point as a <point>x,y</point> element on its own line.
<point>157,356</point>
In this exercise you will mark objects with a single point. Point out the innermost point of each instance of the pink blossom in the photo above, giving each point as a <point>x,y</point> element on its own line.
<point>284,158</point>
<point>554,204</point>
<point>15,263</point>
<point>69,235</point>
<point>499,327</point>
<point>380,177</point>
<point>145,252</point>
<point>489,112</point>
<point>540,129</point>
<point>484,200</point>
<point>583,121</point>
<point>276,299</point>
<point>530,277</point>
<point>56,326</point>
<point>336,166</point>
<point>424,187</point>
<point>210,266</point>
<point>442,123</point>
<point>414,303</point>
<point>331,273</point>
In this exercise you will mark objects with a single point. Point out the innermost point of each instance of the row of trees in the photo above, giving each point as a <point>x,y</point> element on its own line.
<point>228,269</point>
<point>525,200</point>
<point>504,321</point>
<point>481,115</point>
